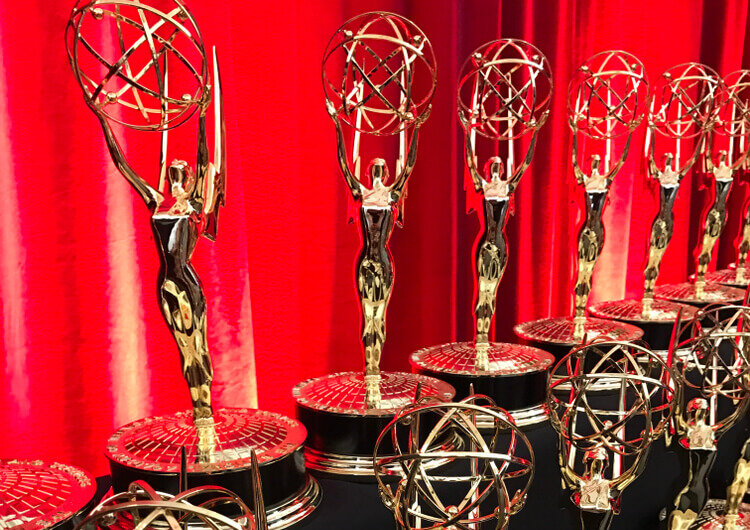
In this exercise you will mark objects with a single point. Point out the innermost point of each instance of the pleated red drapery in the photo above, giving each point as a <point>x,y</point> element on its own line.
<point>84,346</point>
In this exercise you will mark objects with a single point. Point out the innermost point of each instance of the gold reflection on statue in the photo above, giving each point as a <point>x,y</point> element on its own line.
<point>682,109</point>
<point>738,488</point>
<point>369,72</point>
<point>374,268</point>
<point>504,93</point>
<point>184,205</point>
<point>606,100</point>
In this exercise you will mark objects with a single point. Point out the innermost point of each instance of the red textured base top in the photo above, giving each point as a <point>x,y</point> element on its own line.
<point>155,443</point>
<point>35,495</point>
<point>344,393</point>
<point>561,330</point>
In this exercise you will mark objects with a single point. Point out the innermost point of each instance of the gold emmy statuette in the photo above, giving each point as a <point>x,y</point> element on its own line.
<point>504,93</point>
<point>379,77</point>
<point>606,102</point>
<point>143,68</point>
<point>498,467</point>
<point>725,153</point>
<point>714,376</point>
<point>738,90</point>
<point>184,204</point>
<point>603,445</point>
<point>681,113</point>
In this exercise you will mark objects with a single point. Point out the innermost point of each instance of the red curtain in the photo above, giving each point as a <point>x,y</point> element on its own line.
<point>84,346</point>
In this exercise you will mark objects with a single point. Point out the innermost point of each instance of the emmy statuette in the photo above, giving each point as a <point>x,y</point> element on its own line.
<point>737,275</point>
<point>379,77</point>
<point>504,95</point>
<point>606,102</point>
<point>154,77</point>
<point>680,115</point>
<point>714,376</point>
<point>726,149</point>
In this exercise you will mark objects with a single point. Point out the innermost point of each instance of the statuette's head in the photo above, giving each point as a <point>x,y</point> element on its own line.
<point>494,168</point>
<point>181,179</point>
<point>505,89</point>
<point>607,96</point>
<point>378,171</point>
<point>597,459</point>
<point>379,73</point>
<point>140,63</point>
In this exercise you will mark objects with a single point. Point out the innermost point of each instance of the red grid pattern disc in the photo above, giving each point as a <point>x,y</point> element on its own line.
<point>632,310</point>
<point>729,277</point>
<point>562,330</point>
<point>344,393</point>
<point>155,443</point>
<point>39,495</point>
<point>504,359</point>
<point>713,293</point>
<point>712,516</point>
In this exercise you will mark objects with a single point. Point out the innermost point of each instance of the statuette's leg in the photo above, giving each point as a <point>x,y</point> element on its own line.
<point>590,244</point>
<point>489,271</point>
<point>187,321</point>
<point>744,247</point>
<point>375,291</point>
<point>738,488</point>
<point>491,258</point>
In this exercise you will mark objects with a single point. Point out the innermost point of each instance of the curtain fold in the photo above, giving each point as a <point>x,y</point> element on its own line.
<point>85,348</point>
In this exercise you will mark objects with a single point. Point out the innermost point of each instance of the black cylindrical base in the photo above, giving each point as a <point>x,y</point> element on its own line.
<point>510,392</point>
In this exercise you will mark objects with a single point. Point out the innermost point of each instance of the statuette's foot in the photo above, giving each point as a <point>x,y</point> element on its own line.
<point>372,391</point>
<point>482,362</point>
<point>579,329</point>
<point>206,440</point>
<point>730,521</point>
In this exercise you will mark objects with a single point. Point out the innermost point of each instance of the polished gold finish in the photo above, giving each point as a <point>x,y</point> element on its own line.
<point>730,142</point>
<point>489,465</point>
<point>184,205</point>
<point>739,83</point>
<point>369,72</point>
<point>715,377</point>
<point>591,428</point>
<point>682,109</point>
<point>141,507</point>
<point>738,488</point>
<point>504,93</point>
<point>606,100</point>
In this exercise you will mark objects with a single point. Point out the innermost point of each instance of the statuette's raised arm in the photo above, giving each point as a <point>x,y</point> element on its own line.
<point>151,196</point>
<point>351,180</point>
<point>399,184</point>
<point>469,154</point>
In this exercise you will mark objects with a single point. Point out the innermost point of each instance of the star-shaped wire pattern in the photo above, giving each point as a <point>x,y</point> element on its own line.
<point>141,507</point>
<point>119,49</point>
<point>734,105</point>
<point>482,462</point>
<point>623,426</point>
<point>504,89</point>
<point>379,73</point>
<point>683,102</point>
<point>717,364</point>
<point>608,94</point>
